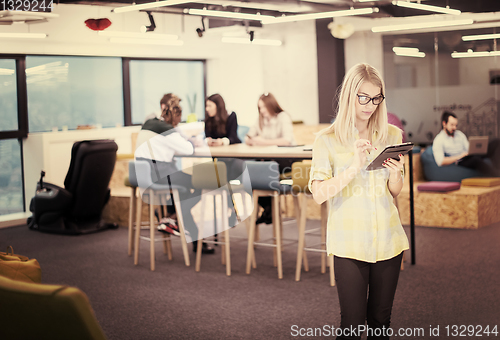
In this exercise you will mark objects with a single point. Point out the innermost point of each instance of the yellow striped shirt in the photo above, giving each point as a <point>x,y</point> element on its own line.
<point>363,222</point>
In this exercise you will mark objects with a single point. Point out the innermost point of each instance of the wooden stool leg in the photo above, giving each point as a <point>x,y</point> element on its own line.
<point>324,219</point>
<point>275,225</point>
<point>278,233</point>
<point>180,221</point>
<point>138,218</point>
<point>303,221</point>
<point>220,232</point>
<point>332,271</point>
<point>225,223</point>
<point>200,231</point>
<point>251,233</point>
<point>131,221</point>
<point>167,244</point>
<point>301,227</point>
<point>152,231</point>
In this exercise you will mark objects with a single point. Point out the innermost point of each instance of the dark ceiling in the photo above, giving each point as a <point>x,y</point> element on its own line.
<point>282,6</point>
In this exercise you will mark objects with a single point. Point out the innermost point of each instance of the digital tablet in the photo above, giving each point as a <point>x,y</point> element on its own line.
<point>391,151</point>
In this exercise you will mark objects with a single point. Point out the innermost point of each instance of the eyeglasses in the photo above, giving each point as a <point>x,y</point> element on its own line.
<point>364,100</point>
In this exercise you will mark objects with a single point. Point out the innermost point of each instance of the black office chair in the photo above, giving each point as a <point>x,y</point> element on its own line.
<point>77,208</point>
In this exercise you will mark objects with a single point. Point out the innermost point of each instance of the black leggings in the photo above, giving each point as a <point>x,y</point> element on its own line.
<point>353,279</point>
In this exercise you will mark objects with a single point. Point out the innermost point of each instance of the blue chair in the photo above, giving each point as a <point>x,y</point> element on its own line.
<point>242,132</point>
<point>265,181</point>
<point>447,173</point>
<point>140,177</point>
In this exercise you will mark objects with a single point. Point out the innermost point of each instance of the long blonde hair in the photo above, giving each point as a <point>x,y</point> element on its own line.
<point>344,125</point>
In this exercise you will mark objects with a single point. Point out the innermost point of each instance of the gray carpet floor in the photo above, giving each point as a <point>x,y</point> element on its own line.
<point>456,281</point>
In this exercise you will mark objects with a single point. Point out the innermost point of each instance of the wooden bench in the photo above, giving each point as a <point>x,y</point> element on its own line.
<point>466,208</point>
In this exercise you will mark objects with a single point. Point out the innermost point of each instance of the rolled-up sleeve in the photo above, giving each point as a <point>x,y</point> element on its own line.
<point>438,151</point>
<point>321,167</point>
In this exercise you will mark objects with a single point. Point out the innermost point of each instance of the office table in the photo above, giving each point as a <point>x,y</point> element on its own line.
<point>302,152</point>
<point>244,151</point>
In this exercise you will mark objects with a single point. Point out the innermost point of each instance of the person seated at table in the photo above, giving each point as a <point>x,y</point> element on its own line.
<point>274,127</point>
<point>221,128</point>
<point>157,143</point>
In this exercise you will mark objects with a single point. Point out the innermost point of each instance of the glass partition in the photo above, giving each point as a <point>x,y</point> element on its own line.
<point>11,187</point>
<point>8,95</point>
<point>151,79</point>
<point>421,87</point>
<point>67,92</point>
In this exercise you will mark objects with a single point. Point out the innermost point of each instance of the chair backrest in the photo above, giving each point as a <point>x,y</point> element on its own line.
<point>39,311</point>
<point>209,175</point>
<point>263,175</point>
<point>89,174</point>
<point>300,176</point>
<point>139,174</point>
<point>242,132</point>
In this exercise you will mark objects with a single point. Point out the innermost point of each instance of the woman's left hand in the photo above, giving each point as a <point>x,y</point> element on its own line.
<point>394,167</point>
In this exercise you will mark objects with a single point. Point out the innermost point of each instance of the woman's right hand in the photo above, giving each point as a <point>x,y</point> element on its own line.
<point>360,148</point>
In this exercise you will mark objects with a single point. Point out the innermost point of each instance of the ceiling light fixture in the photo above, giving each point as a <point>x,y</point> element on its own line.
<point>321,15</point>
<point>480,37</point>
<point>413,5</point>
<point>152,25</point>
<point>24,35</point>
<point>418,25</point>
<point>266,42</point>
<point>146,41</point>
<point>201,30</point>
<point>150,5</point>
<point>228,15</point>
<point>470,54</point>
<point>132,35</point>
<point>408,52</point>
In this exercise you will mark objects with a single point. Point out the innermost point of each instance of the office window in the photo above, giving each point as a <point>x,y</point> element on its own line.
<point>73,91</point>
<point>11,188</point>
<point>8,95</point>
<point>419,89</point>
<point>151,79</point>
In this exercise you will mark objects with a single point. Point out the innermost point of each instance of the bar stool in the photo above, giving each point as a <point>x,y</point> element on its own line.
<point>211,178</point>
<point>300,190</point>
<point>140,177</point>
<point>265,181</point>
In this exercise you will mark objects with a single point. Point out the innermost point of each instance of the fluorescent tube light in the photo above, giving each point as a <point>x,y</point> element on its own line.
<point>267,42</point>
<point>24,35</point>
<point>367,0</point>
<point>229,15</point>
<point>149,5</point>
<point>475,54</point>
<point>423,7</point>
<point>410,54</point>
<point>418,25</point>
<point>157,36</point>
<point>480,37</point>
<point>405,50</point>
<point>321,15</point>
<point>146,41</point>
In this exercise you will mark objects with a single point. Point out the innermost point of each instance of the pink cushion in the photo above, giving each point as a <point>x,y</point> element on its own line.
<point>439,186</point>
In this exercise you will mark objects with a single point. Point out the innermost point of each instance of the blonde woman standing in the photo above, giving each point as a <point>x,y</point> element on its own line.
<point>365,234</point>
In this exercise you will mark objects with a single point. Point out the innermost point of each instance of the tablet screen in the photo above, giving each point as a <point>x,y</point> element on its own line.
<point>391,151</point>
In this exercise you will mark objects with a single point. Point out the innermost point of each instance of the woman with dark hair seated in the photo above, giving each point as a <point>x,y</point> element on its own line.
<point>157,143</point>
